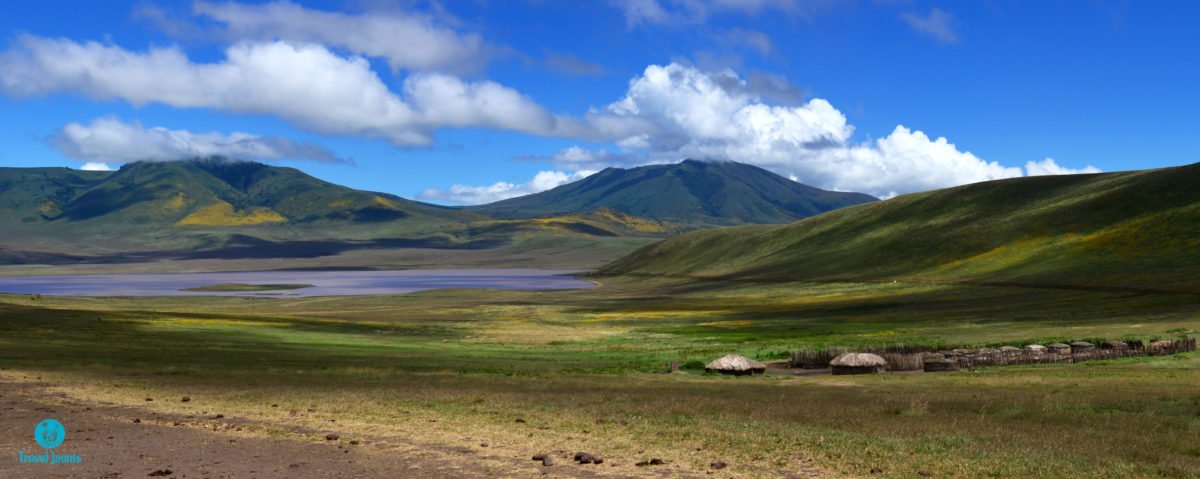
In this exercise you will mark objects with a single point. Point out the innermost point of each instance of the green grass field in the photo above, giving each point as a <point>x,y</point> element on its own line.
<point>581,367</point>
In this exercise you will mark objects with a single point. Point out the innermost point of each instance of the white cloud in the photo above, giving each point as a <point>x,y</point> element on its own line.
<point>580,159</point>
<point>1050,167</point>
<point>683,12</point>
<point>407,40</point>
<point>96,166</point>
<point>304,84</point>
<point>674,112</point>
<point>474,195</point>
<point>938,24</point>
<point>112,140</point>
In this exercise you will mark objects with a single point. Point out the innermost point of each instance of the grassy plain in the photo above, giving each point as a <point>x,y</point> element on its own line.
<point>580,368</point>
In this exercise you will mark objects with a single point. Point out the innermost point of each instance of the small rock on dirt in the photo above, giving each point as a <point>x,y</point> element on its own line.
<point>587,458</point>
<point>185,399</point>
<point>924,473</point>
<point>718,465</point>
<point>876,470</point>
<point>522,421</point>
<point>331,437</point>
<point>161,473</point>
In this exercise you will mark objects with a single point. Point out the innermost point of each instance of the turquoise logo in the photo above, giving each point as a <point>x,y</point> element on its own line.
<point>49,433</point>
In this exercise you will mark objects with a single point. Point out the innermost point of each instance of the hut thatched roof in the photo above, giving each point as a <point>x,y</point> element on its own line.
<point>1058,345</point>
<point>858,360</point>
<point>1009,348</point>
<point>734,362</point>
<point>1082,344</point>
<point>1034,347</point>
<point>1115,345</point>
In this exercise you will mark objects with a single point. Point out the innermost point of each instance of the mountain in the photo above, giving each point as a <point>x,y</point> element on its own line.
<point>692,193</point>
<point>208,192</point>
<point>1127,231</point>
<point>217,208</point>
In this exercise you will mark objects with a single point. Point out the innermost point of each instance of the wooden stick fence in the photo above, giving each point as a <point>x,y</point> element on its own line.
<point>914,357</point>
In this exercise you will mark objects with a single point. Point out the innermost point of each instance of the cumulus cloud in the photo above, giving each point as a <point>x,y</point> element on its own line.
<point>112,140</point>
<point>474,195</point>
<point>407,40</point>
<point>304,84</point>
<point>671,112</point>
<point>96,166</point>
<point>938,24</point>
<point>580,159</point>
<point>1049,167</point>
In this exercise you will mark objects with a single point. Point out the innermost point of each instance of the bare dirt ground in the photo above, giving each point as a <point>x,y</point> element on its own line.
<point>123,442</point>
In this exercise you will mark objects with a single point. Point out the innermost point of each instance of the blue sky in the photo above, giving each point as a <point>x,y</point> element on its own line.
<point>506,98</point>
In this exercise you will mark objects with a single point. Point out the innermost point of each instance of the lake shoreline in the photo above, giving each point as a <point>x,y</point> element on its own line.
<point>316,283</point>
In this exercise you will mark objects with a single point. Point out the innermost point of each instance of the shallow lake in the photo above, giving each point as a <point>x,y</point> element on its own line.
<point>324,283</point>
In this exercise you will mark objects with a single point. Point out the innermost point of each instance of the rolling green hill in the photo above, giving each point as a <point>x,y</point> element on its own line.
<point>210,192</point>
<point>225,209</point>
<point>692,193</point>
<point>1131,230</point>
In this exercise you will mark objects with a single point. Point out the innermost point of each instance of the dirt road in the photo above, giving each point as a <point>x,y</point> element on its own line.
<point>123,442</point>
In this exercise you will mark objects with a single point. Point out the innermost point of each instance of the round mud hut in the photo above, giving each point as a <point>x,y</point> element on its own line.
<point>987,352</point>
<point>1082,346</point>
<point>858,363</point>
<point>1114,345</point>
<point>736,365</point>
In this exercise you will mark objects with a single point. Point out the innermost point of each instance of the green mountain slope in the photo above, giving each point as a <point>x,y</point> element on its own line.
<point>218,192</point>
<point>225,209</point>
<point>1136,229</point>
<point>30,195</point>
<point>692,193</point>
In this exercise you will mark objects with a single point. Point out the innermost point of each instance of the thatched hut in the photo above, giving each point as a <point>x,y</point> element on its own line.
<point>1034,348</point>
<point>1082,346</point>
<point>736,365</point>
<point>1009,354</point>
<point>1160,344</point>
<point>858,363</point>
<point>1059,348</point>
